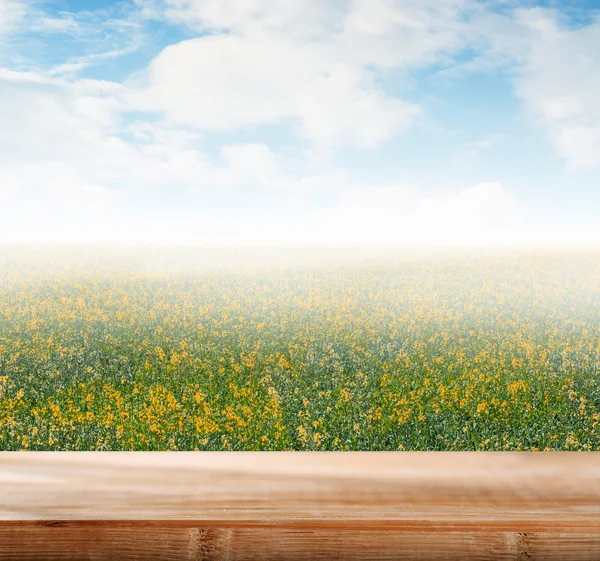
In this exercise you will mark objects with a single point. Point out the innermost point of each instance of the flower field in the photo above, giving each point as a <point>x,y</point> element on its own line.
<point>138,349</point>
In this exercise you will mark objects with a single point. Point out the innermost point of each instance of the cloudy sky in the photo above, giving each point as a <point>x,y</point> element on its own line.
<point>437,121</point>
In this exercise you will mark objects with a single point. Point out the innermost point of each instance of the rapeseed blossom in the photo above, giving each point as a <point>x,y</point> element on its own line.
<point>484,353</point>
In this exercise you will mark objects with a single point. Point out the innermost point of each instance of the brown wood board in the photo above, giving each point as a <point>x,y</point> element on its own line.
<point>297,505</point>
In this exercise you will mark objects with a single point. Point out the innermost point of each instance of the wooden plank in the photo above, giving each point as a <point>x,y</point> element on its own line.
<point>223,505</point>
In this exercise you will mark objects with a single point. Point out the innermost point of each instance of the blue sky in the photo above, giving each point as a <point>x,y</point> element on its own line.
<point>289,121</point>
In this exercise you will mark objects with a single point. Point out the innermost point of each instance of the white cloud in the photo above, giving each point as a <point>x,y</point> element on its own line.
<point>78,128</point>
<point>253,163</point>
<point>402,33</point>
<point>580,145</point>
<point>483,214</point>
<point>41,202</point>
<point>228,82</point>
<point>303,17</point>
<point>560,84</point>
<point>66,174</point>
<point>555,68</point>
<point>76,64</point>
<point>62,165</point>
<point>70,168</point>
<point>47,120</point>
<point>309,64</point>
<point>11,13</point>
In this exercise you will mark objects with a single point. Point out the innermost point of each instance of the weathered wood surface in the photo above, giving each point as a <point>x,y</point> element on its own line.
<point>234,506</point>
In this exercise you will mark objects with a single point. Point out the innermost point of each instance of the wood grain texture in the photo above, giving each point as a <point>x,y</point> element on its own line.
<point>246,506</point>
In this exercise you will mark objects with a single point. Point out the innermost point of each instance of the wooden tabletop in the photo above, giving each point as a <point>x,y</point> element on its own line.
<point>322,505</point>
